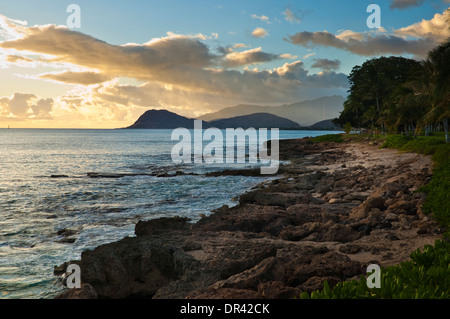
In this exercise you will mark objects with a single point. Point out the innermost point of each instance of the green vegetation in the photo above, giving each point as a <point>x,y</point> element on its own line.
<point>395,94</point>
<point>425,276</point>
<point>330,138</point>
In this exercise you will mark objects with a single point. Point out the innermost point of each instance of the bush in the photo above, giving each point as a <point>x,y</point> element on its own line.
<point>330,138</point>
<point>397,141</point>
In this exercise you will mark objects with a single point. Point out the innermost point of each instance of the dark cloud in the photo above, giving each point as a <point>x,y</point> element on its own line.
<point>403,4</point>
<point>369,45</point>
<point>326,65</point>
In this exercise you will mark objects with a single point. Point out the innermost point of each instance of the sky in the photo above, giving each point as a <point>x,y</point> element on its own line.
<point>192,57</point>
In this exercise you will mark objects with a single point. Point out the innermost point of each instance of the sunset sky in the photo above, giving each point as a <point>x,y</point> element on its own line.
<point>191,57</point>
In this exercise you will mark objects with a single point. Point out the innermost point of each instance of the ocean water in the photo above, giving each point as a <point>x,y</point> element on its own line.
<point>35,207</point>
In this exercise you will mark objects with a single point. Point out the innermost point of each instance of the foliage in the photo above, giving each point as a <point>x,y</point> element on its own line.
<point>425,276</point>
<point>396,141</point>
<point>330,138</point>
<point>395,94</point>
<point>347,128</point>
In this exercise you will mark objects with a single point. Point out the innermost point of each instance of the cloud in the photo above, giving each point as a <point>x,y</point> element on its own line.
<point>417,39</point>
<point>260,33</point>
<point>437,28</point>
<point>25,106</point>
<point>403,4</point>
<point>368,46</point>
<point>252,56</point>
<point>177,72</point>
<point>263,18</point>
<point>291,16</point>
<point>307,56</point>
<point>239,45</point>
<point>326,65</point>
<point>83,78</point>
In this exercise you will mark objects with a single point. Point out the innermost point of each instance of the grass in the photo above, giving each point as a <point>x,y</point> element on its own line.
<point>330,138</point>
<point>427,274</point>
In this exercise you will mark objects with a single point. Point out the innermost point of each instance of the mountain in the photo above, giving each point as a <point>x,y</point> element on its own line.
<point>257,120</point>
<point>305,113</point>
<point>162,119</point>
<point>325,125</point>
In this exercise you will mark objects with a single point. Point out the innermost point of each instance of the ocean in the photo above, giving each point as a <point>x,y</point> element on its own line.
<point>60,195</point>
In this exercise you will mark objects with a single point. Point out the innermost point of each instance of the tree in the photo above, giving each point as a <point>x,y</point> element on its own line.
<point>371,87</point>
<point>439,60</point>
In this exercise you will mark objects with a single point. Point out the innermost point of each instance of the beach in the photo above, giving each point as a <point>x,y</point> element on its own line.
<point>334,209</point>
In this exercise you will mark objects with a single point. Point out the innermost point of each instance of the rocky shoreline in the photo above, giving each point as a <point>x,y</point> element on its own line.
<point>335,209</point>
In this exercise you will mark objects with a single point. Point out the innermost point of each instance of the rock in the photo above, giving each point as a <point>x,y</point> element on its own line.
<point>133,267</point>
<point>277,290</point>
<point>410,207</point>
<point>391,217</point>
<point>294,233</point>
<point>224,294</point>
<point>330,264</point>
<point>164,224</point>
<point>317,283</point>
<point>340,233</point>
<point>267,270</point>
<point>375,200</point>
<point>86,291</point>
<point>66,232</point>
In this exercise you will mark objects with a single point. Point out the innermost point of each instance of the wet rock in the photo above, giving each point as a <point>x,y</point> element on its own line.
<point>164,224</point>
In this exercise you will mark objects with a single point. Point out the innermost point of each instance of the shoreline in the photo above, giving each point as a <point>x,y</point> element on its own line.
<point>336,209</point>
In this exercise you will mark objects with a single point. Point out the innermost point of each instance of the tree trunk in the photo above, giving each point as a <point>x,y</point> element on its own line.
<point>447,137</point>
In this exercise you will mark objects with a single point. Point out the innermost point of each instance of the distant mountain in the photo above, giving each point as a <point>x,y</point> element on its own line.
<point>325,125</point>
<point>162,119</point>
<point>257,120</point>
<point>305,113</point>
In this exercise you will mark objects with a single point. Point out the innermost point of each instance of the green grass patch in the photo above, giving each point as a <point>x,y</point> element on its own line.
<point>425,276</point>
<point>397,141</point>
<point>330,138</point>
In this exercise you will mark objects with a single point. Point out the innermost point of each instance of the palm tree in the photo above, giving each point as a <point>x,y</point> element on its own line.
<point>440,110</point>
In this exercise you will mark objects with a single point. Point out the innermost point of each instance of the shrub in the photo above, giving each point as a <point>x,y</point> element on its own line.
<point>397,141</point>
<point>330,138</point>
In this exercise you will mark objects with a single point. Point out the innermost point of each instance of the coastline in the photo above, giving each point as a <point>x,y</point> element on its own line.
<point>336,209</point>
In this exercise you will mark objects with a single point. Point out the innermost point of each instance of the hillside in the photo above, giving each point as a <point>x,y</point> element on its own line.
<point>162,119</point>
<point>258,120</point>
